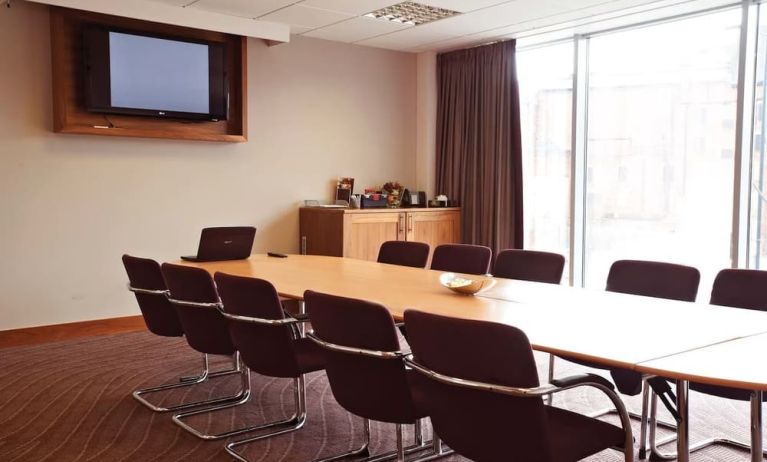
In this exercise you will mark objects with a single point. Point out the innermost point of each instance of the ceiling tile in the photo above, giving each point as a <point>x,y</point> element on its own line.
<point>305,16</point>
<point>298,30</point>
<point>356,29</point>
<point>353,7</point>
<point>406,38</point>
<point>175,2</point>
<point>462,5</point>
<point>242,8</point>
<point>449,44</point>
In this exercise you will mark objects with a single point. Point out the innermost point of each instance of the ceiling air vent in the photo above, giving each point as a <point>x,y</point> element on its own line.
<point>411,13</point>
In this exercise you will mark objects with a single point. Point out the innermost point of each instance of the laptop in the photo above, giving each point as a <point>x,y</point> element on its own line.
<point>224,243</point>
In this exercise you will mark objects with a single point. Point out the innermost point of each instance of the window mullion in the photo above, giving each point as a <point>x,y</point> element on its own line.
<point>578,162</point>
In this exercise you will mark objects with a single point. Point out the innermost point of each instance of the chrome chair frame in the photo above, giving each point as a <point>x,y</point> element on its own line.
<point>296,421</point>
<point>656,454</point>
<point>419,444</point>
<point>185,381</point>
<point>643,418</point>
<point>549,389</point>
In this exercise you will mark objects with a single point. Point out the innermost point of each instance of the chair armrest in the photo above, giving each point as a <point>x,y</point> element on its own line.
<point>139,290</point>
<point>534,392</point>
<point>303,317</point>
<point>399,354</point>
<point>216,305</point>
<point>263,321</point>
<point>582,379</point>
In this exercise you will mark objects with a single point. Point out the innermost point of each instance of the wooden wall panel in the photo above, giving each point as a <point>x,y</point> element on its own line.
<point>70,116</point>
<point>59,332</point>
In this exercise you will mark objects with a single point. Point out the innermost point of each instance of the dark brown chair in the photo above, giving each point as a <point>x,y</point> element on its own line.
<point>462,258</point>
<point>160,317</point>
<point>737,288</point>
<point>269,344</point>
<point>479,384</point>
<point>194,295</point>
<point>654,279</point>
<point>404,253</point>
<point>529,265</point>
<point>649,279</point>
<point>365,366</point>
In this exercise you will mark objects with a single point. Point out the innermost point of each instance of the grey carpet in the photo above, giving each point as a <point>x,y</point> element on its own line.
<point>70,401</point>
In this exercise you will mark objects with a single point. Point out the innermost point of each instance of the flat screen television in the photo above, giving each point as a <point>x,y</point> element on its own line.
<point>135,73</point>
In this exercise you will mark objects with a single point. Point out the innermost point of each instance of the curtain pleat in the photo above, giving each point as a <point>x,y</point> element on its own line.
<point>479,147</point>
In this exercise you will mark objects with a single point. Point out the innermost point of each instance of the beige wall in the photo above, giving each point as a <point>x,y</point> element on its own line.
<point>426,114</point>
<point>71,205</point>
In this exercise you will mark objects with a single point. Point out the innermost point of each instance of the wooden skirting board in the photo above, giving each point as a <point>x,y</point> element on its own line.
<point>58,332</point>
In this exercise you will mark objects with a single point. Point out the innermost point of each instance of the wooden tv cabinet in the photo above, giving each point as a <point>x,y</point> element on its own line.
<point>358,233</point>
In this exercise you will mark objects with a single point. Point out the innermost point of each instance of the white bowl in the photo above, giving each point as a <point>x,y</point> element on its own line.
<point>466,285</point>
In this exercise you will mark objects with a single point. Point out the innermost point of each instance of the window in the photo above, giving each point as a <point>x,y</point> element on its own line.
<point>545,85</point>
<point>758,229</point>
<point>656,145</point>
<point>660,138</point>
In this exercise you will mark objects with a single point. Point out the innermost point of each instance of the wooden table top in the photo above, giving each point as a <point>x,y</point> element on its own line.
<point>607,328</point>
<point>735,364</point>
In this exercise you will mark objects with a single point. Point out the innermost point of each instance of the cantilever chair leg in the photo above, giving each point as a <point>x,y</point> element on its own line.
<point>419,446</point>
<point>186,382</point>
<point>434,447</point>
<point>298,418</point>
<point>363,450</point>
<point>195,378</point>
<point>656,454</point>
<point>295,422</point>
<point>549,399</point>
<point>643,417</point>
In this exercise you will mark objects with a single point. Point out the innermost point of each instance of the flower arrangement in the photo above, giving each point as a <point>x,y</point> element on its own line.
<point>394,193</point>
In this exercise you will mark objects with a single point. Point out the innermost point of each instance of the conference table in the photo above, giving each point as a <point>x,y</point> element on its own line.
<point>689,341</point>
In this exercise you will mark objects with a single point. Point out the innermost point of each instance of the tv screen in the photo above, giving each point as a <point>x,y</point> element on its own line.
<point>138,74</point>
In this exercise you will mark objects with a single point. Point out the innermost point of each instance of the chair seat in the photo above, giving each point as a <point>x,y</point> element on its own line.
<point>578,436</point>
<point>309,355</point>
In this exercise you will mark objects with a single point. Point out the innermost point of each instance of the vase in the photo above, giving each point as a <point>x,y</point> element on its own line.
<point>394,199</point>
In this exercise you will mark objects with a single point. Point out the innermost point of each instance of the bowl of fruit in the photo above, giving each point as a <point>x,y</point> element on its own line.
<point>466,285</point>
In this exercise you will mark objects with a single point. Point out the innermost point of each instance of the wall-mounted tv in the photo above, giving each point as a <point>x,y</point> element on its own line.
<point>135,73</point>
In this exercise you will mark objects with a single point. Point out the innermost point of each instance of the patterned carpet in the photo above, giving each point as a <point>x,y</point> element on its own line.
<point>70,401</point>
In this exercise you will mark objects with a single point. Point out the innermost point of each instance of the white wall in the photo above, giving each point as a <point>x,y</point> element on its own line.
<point>70,205</point>
<point>426,114</point>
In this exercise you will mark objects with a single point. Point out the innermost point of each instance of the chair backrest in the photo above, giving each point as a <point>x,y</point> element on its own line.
<point>529,265</point>
<point>373,388</point>
<point>480,425</point>
<point>266,349</point>
<point>159,314</point>
<point>404,253</point>
<point>462,258</point>
<point>654,279</point>
<point>204,327</point>
<point>740,288</point>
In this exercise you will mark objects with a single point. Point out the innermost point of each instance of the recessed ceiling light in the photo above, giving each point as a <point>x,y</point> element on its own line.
<point>411,13</point>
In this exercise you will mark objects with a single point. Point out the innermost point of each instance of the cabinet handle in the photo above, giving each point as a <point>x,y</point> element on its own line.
<point>303,245</point>
<point>401,224</point>
<point>409,223</point>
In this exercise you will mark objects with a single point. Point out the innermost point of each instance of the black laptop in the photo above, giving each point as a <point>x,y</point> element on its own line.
<point>224,243</point>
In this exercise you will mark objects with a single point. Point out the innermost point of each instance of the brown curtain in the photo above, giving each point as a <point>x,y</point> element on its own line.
<point>479,147</point>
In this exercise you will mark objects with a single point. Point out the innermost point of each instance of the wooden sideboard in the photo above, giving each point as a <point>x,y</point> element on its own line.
<point>359,233</point>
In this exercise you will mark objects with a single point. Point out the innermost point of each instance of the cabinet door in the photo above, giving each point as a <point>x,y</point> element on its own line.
<point>434,228</point>
<point>365,232</point>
